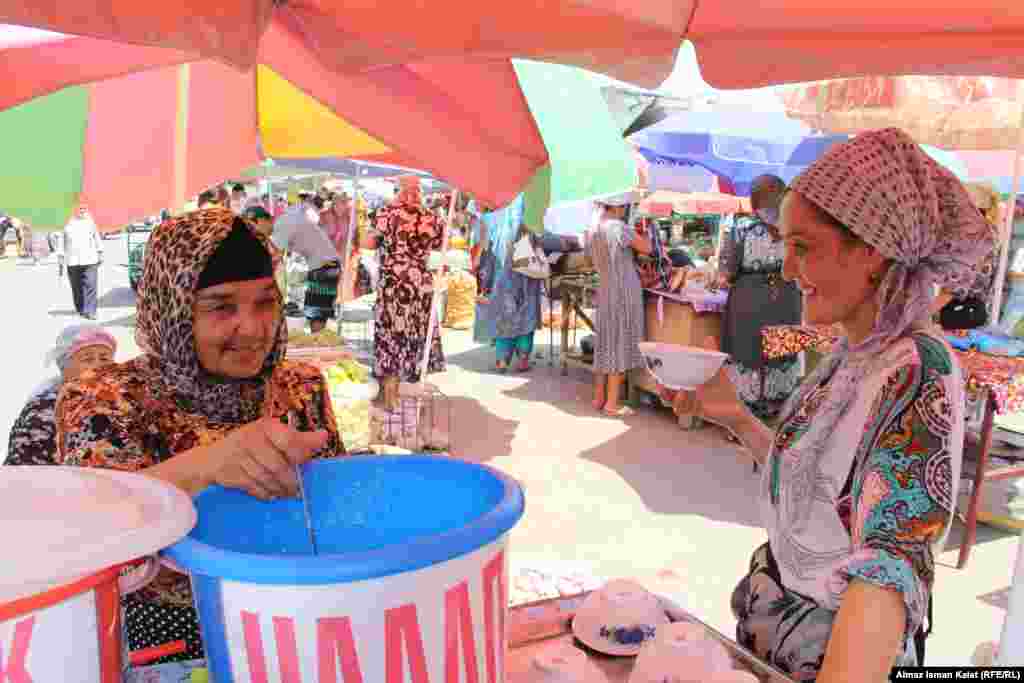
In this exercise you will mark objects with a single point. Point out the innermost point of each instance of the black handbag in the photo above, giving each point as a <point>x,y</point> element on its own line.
<point>329,272</point>
<point>485,272</point>
<point>963,314</point>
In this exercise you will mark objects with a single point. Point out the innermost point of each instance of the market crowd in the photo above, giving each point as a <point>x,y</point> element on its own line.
<point>859,460</point>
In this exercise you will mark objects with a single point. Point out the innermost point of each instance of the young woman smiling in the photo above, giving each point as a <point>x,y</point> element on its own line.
<point>860,480</point>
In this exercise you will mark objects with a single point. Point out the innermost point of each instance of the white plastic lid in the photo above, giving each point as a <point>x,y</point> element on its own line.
<point>67,522</point>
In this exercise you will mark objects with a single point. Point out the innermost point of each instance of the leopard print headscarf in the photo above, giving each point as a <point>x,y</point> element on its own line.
<point>176,254</point>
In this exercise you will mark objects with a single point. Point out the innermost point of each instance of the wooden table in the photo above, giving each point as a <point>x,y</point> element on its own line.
<point>996,380</point>
<point>555,619</point>
<point>575,290</point>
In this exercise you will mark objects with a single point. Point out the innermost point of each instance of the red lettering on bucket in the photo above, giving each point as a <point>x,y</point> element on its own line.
<point>287,650</point>
<point>458,625</point>
<point>254,647</point>
<point>334,642</point>
<point>14,671</point>
<point>401,624</point>
<point>494,581</point>
<point>338,660</point>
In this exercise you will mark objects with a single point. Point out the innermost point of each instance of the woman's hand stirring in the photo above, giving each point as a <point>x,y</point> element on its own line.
<point>259,458</point>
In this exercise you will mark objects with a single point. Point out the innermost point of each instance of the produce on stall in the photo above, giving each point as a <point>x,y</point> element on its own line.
<point>688,310</point>
<point>352,391</point>
<point>297,339</point>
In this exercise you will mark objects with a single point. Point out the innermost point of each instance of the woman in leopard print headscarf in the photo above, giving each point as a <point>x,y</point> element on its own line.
<point>205,402</point>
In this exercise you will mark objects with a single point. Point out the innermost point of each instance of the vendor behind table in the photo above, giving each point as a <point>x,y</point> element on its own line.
<point>206,401</point>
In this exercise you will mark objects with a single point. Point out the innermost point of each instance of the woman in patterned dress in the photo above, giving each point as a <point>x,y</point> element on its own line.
<point>612,246</point>
<point>33,439</point>
<point>751,260</point>
<point>406,233</point>
<point>209,400</point>
<point>859,487</point>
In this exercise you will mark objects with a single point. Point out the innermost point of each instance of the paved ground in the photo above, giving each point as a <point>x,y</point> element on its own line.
<point>626,498</point>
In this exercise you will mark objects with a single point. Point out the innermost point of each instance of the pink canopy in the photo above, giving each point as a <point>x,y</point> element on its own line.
<point>961,113</point>
<point>776,41</point>
<point>430,79</point>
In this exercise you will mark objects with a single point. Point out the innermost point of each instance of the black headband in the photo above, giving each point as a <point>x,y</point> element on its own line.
<point>239,258</point>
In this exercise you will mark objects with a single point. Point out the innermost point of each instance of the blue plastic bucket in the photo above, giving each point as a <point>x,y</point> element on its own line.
<point>410,580</point>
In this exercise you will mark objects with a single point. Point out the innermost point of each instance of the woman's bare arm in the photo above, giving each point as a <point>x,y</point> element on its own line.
<point>867,635</point>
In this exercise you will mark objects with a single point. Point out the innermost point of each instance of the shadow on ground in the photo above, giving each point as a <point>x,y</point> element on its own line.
<point>476,434</point>
<point>674,472</point>
<point>986,534</point>
<point>123,321</point>
<point>120,297</point>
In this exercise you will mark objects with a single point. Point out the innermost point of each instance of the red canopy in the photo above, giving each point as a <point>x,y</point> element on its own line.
<point>417,75</point>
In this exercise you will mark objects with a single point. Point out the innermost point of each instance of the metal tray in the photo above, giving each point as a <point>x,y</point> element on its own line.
<point>547,625</point>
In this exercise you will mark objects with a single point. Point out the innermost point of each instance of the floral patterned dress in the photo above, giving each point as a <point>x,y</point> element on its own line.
<point>758,297</point>
<point>33,439</point>
<point>874,508</point>
<point>407,233</point>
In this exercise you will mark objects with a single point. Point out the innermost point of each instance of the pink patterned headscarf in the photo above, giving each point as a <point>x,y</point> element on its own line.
<point>893,196</point>
<point>74,338</point>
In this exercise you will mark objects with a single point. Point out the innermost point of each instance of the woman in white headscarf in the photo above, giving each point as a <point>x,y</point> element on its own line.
<point>860,477</point>
<point>33,439</point>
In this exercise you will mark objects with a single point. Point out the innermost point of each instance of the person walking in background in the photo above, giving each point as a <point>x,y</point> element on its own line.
<point>298,231</point>
<point>514,300</point>
<point>237,202</point>
<point>57,247</point>
<point>29,241</point>
<point>83,252</point>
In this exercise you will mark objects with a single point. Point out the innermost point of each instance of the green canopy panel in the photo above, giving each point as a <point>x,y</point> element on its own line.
<point>588,156</point>
<point>42,142</point>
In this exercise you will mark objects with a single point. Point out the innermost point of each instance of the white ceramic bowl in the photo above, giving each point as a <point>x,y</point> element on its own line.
<point>619,618</point>
<point>566,664</point>
<point>681,368</point>
<point>734,676</point>
<point>681,652</point>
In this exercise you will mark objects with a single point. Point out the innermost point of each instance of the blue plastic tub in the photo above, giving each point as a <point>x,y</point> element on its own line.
<point>410,547</point>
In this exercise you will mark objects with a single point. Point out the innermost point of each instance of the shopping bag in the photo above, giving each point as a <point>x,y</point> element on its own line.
<point>529,261</point>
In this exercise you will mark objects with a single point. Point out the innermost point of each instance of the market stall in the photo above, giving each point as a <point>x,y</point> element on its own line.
<point>685,307</point>
<point>994,382</point>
